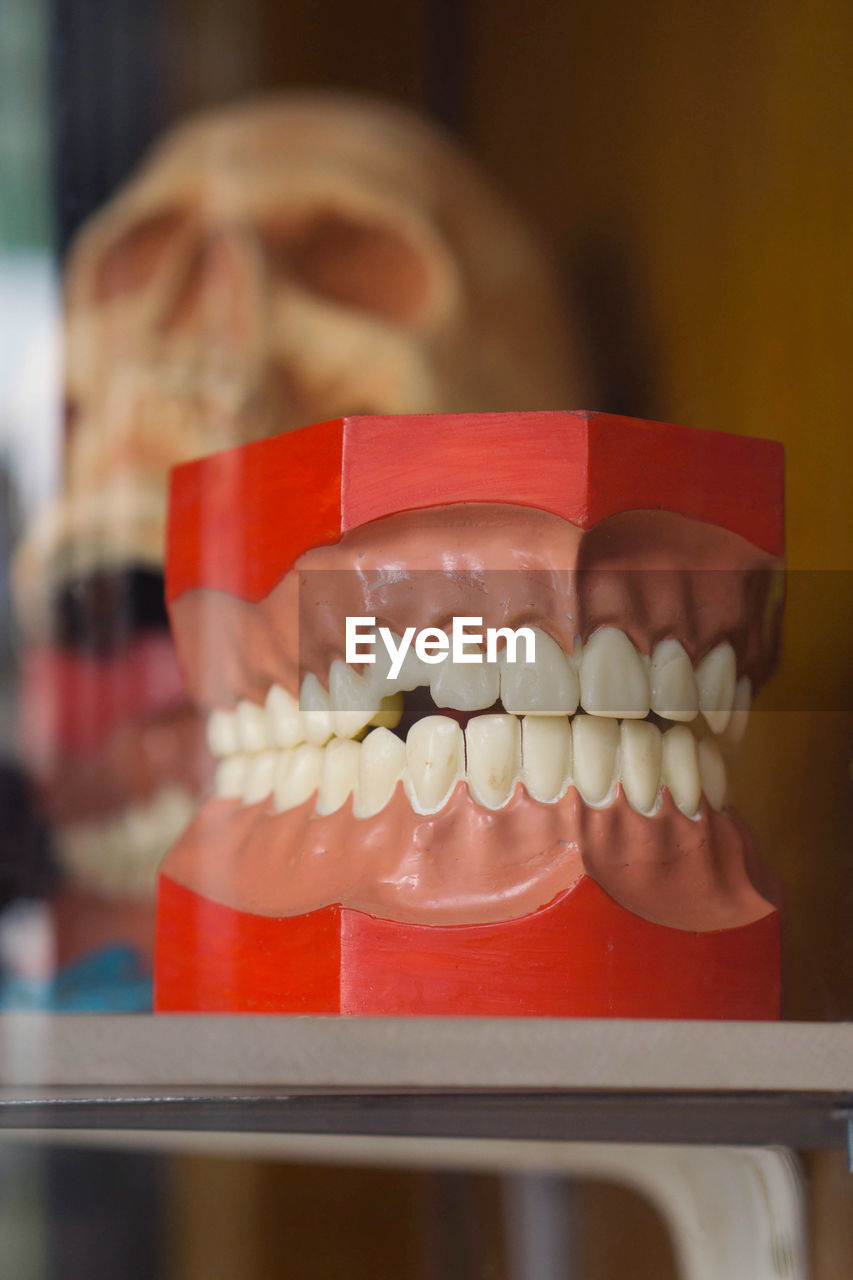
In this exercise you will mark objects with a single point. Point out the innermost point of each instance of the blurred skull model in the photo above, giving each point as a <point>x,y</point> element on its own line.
<point>271,264</point>
<point>274,264</point>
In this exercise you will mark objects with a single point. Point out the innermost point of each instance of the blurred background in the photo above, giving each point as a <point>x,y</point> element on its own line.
<point>689,167</point>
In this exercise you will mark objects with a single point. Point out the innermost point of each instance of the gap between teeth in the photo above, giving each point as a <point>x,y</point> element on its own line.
<point>606,677</point>
<point>290,750</point>
<point>546,754</point>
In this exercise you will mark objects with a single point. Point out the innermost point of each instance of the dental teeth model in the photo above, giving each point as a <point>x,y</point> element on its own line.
<point>401,835</point>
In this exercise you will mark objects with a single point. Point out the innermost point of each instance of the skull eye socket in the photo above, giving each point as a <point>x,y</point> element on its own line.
<point>130,262</point>
<point>367,266</point>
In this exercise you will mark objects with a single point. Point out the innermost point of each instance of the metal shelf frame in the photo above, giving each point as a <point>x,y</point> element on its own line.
<point>513,1079</point>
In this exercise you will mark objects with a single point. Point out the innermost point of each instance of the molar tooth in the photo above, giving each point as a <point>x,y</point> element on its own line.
<point>350,699</point>
<point>316,717</point>
<point>229,777</point>
<point>614,680</point>
<point>340,774</point>
<point>546,753</point>
<point>548,686</point>
<point>390,712</point>
<point>739,719</point>
<point>284,719</point>
<point>716,676</point>
<point>680,768</point>
<point>595,740</point>
<point>381,765</point>
<point>712,773</point>
<point>640,763</point>
<point>465,686</point>
<point>258,780</point>
<point>673,688</point>
<point>222,733</point>
<point>297,776</point>
<point>493,753</point>
<point>435,760</point>
<point>251,727</point>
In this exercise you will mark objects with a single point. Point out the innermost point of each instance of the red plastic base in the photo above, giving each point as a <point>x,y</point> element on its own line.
<point>226,529</point>
<point>581,956</point>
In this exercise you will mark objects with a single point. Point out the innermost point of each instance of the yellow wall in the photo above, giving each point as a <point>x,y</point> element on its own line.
<point>694,165</point>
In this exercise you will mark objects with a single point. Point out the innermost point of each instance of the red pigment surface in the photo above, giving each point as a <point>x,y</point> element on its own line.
<point>226,529</point>
<point>73,702</point>
<point>580,956</point>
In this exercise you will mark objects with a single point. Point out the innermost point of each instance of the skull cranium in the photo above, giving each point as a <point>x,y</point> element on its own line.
<point>273,264</point>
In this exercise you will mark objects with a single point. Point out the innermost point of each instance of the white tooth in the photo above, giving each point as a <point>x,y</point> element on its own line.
<point>142,827</point>
<point>546,753</point>
<point>465,686</point>
<point>640,759</point>
<point>174,807</point>
<point>680,768</point>
<point>229,777</point>
<point>115,856</point>
<point>736,727</point>
<point>381,765</point>
<point>284,719</point>
<point>548,686</point>
<point>412,675</point>
<point>493,754</point>
<point>258,782</point>
<point>316,717</point>
<point>340,774</point>
<point>350,699</point>
<point>390,712</point>
<point>163,821</point>
<point>594,741</point>
<point>673,688</point>
<point>716,675</point>
<point>297,776</point>
<point>251,725</point>
<point>434,758</point>
<point>712,773</point>
<point>222,733</point>
<point>614,680</point>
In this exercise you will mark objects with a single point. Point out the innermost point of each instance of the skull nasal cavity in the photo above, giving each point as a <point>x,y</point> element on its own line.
<point>359,264</point>
<point>218,291</point>
<point>130,262</point>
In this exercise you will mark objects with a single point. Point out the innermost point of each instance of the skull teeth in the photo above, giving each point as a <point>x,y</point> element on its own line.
<point>119,856</point>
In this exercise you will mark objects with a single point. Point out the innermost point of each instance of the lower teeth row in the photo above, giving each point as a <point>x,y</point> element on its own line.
<point>547,754</point>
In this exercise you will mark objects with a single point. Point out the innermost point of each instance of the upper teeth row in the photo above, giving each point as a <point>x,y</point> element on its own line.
<point>496,752</point>
<point>608,677</point>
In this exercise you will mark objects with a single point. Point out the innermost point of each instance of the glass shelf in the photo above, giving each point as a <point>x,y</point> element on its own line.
<point>508,1079</point>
